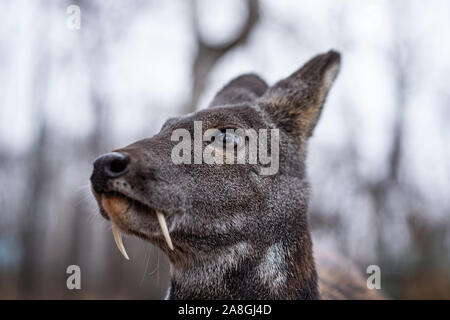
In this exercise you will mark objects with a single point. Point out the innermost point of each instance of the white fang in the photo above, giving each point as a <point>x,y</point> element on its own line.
<point>118,239</point>
<point>165,231</point>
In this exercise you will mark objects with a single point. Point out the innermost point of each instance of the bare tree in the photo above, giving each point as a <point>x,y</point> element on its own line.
<point>38,178</point>
<point>208,54</point>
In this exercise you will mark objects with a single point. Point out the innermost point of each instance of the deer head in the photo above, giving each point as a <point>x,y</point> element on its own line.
<point>235,229</point>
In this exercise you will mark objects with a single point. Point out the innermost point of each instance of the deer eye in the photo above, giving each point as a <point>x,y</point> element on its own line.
<point>229,137</point>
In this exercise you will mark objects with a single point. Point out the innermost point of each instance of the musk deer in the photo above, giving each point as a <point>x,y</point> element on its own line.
<point>229,231</point>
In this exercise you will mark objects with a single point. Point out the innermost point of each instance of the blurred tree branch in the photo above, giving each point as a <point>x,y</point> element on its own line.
<point>208,54</point>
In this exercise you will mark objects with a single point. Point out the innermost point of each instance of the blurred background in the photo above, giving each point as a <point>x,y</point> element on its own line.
<point>379,161</point>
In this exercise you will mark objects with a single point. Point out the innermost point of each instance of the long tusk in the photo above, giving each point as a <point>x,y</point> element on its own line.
<point>165,231</point>
<point>118,239</point>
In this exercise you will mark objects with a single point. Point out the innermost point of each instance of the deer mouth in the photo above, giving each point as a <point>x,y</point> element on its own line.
<point>116,207</point>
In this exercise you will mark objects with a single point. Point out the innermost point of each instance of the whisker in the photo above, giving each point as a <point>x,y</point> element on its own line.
<point>84,187</point>
<point>157,266</point>
<point>157,270</point>
<point>147,258</point>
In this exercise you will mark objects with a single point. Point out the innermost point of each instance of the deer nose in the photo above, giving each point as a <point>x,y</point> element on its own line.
<point>106,167</point>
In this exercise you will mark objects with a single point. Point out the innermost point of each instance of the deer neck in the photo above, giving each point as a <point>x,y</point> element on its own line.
<point>282,269</point>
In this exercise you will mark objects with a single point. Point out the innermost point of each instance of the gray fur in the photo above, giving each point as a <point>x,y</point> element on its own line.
<point>237,234</point>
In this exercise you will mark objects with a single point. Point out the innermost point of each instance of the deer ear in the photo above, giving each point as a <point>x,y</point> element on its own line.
<point>245,88</point>
<point>295,103</point>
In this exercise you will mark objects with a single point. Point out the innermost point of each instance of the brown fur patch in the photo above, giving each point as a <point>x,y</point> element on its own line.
<point>115,206</point>
<point>340,279</point>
